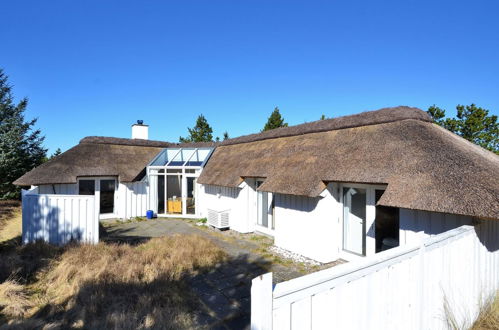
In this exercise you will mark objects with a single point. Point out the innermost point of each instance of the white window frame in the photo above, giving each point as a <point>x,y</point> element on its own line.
<point>97,180</point>
<point>270,215</point>
<point>184,188</point>
<point>370,219</point>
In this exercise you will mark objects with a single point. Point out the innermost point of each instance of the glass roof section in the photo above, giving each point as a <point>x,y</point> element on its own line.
<point>182,157</point>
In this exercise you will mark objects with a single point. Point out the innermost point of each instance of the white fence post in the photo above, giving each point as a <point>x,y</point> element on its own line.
<point>261,302</point>
<point>23,217</point>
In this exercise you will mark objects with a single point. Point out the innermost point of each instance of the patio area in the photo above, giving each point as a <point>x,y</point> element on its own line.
<point>225,290</point>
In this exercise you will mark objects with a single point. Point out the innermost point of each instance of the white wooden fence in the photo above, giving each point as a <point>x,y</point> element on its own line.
<point>446,277</point>
<point>58,219</point>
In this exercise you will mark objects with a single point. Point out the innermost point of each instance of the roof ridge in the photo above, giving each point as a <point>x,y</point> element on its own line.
<point>367,118</point>
<point>126,141</point>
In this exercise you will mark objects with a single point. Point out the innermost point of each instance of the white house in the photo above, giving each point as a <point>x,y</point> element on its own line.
<point>352,186</point>
<point>339,188</point>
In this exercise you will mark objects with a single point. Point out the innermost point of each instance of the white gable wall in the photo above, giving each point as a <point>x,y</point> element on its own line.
<point>309,226</point>
<point>235,200</point>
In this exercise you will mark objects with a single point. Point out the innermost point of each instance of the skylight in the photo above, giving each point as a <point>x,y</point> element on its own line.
<point>182,157</point>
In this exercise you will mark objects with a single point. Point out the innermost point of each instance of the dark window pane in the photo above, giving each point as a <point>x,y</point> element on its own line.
<point>86,187</point>
<point>387,225</point>
<point>107,185</point>
<point>194,163</point>
<point>161,194</point>
<point>191,202</point>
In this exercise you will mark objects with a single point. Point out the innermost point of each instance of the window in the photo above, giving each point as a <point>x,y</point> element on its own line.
<point>172,180</point>
<point>387,225</point>
<point>86,187</point>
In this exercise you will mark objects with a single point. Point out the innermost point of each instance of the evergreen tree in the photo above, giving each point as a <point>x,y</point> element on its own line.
<point>20,143</point>
<point>275,120</point>
<point>226,135</point>
<point>202,132</point>
<point>323,117</point>
<point>56,153</point>
<point>472,123</point>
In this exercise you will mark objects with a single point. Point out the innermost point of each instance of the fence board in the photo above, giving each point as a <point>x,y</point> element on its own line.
<point>58,219</point>
<point>410,287</point>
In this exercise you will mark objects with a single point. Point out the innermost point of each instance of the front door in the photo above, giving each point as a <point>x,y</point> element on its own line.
<point>354,220</point>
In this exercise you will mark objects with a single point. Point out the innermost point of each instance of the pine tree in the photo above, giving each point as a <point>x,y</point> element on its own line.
<point>472,123</point>
<point>275,120</point>
<point>226,135</point>
<point>323,117</point>
<point>201,132</point>
<point>20,143</point>
<point>56,153</point>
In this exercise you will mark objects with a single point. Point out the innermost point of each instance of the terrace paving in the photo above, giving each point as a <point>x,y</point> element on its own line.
<point>225,290</point>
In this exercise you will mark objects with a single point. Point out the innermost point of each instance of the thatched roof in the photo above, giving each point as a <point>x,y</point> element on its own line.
<point>145,143</point>
<point>97,156</point>
<point>102,156</point>
<point>424,166</point>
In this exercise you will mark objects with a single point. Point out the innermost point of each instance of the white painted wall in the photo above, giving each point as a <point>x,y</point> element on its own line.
<point>405,287</point>
<point>313,227</point>
<point>416,225</point>
<point>132,200</point>
<point>309,226</point>
<point>219,199</point>
<point>64,189</point>
<point>57,219</point>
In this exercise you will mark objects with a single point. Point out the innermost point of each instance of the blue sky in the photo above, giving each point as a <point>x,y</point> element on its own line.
<point>95,67</point>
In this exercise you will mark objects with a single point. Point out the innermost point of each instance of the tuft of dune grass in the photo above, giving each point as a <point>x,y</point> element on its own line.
<point>113,286</point>
<point>14,301</point>
<point>488,319</point>
<point>10,221</point>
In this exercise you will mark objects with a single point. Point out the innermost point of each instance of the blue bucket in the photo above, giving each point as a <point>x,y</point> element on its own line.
<point>149,214</point>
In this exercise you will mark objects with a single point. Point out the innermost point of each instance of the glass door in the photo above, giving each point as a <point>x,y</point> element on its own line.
<point>191,195</point>
<point>174,192</point>
<point>107,188</point>
<point>354,220</point>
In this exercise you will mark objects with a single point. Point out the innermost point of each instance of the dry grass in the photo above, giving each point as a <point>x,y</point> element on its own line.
<point>15,299</point>
<point>106,285</point>
<point>489,316</point>
<point>10,220</point>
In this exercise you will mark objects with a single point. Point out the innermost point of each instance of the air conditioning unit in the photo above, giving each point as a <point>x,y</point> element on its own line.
<point>218,219</point>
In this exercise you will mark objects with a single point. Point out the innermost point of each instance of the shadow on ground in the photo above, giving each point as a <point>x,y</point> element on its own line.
<point>221,295</point>
<point>213,298</point>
